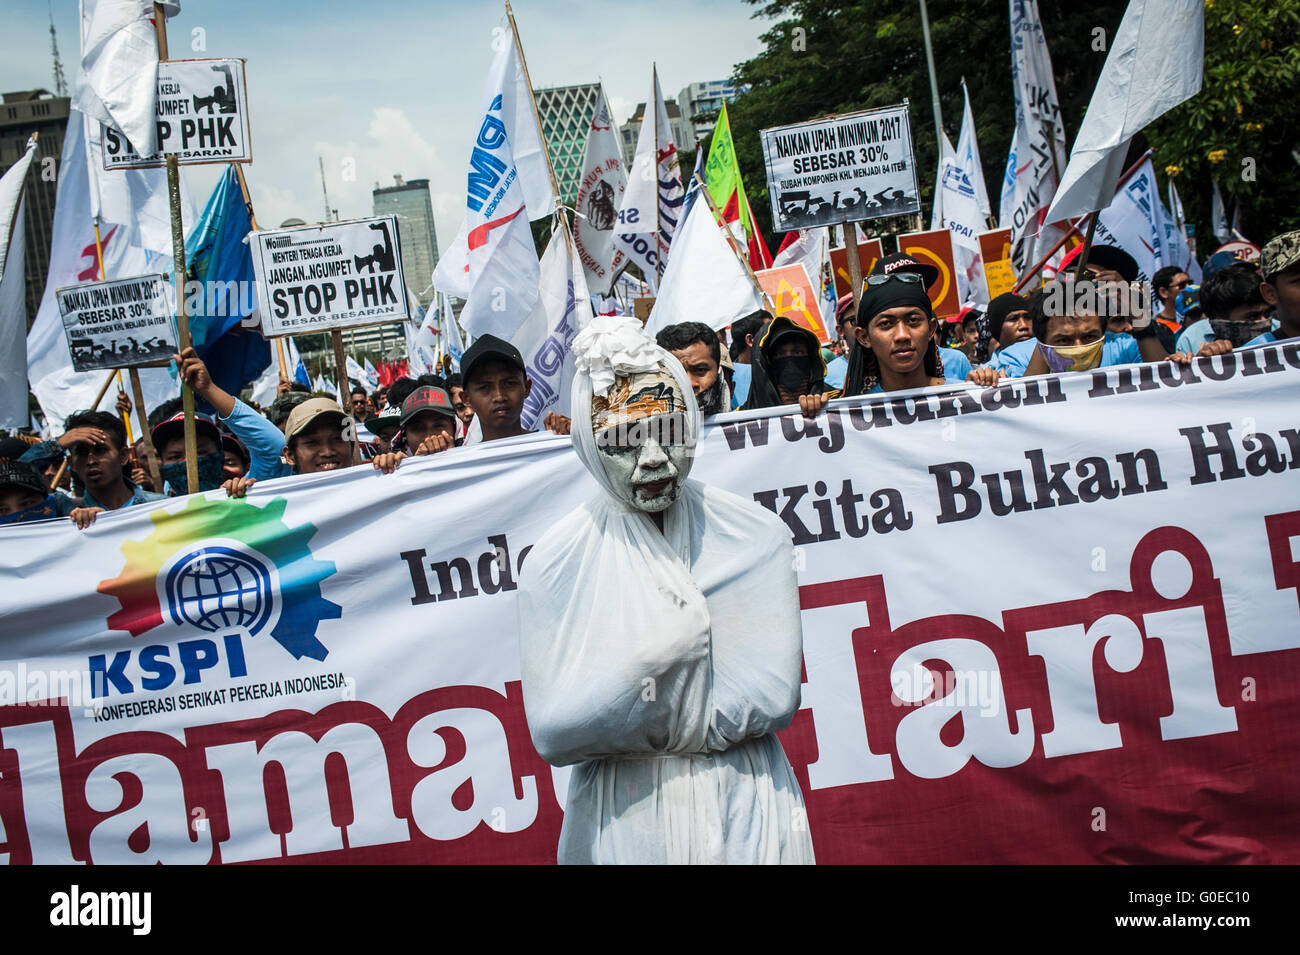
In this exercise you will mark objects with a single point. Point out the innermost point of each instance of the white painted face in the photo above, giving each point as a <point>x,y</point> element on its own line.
<point>641,435</point>
<point>646,461</point>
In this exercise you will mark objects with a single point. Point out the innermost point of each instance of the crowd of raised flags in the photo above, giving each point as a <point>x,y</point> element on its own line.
<point>687,246</point>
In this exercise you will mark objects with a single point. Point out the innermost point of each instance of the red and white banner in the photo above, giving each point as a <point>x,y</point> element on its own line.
<point>1055,621</point>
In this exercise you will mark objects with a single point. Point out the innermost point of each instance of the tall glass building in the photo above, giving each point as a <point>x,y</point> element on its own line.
<point>566,113</point>
<point>410,202</point>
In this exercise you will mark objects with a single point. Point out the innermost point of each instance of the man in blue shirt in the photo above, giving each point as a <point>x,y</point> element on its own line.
<point>1233,302</point>
<point>100,465</point>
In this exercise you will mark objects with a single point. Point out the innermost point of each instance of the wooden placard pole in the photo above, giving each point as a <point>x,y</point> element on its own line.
<point>853,256</point>
<point>150,453</point>
<point>178,277</point>
<point>340,367</point>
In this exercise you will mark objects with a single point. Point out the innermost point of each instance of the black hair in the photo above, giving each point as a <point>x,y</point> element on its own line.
<point>1163,279</point>
<point>1038,313</point>
<point>742,328</point>
<point>431,381</point>
<point>454,380</point>
<point>296,385</point>
<point>685,334</point>
<point>357,390</point>
<point>105,421</point>
<point>1230,288</point>
<point>168,409</point>
<point>399,390</point>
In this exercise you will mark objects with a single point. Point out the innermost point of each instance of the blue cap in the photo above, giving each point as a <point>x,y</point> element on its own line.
<point>1222,260</point>
<point>1188,300</point>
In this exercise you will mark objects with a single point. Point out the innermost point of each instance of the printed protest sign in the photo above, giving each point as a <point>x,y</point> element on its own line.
<point>202,117</point>
<point>869,253</point>
<point>995,251</point>
<point>118,324</point>
<point>935,248</point>
<point>841,169</point>
<point>332,275</point>
<point>793,295</point>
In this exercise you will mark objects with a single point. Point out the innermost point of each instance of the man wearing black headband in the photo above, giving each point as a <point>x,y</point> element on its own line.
<point>896,338</point>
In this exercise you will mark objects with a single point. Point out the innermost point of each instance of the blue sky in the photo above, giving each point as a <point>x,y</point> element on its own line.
<point>394,84</point>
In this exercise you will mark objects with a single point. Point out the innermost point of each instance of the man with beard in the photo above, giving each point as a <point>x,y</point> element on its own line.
<point>696,346</point>
<point>788,369</point>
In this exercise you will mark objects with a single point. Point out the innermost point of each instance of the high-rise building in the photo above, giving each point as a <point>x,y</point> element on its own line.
<point>21,114</point>
<point>566,113</point>
<point>683,138</point>
<point>410,202</point>
<point>705,101</point>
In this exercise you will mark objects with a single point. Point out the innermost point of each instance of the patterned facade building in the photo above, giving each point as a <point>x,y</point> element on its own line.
<point>566,113</point>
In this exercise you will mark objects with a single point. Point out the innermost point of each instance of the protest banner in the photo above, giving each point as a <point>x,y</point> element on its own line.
<point>935,248</point>
<point>841,169</point>
<point>793,295</point>
<point>869,253</point>
<point>1052,621</point>
<point>995,252</point>
<point>202,117</point>
<point>122,323</point>
<point>331,275</point>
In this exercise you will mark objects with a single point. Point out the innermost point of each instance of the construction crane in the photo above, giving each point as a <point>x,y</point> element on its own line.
<point>325,192</point>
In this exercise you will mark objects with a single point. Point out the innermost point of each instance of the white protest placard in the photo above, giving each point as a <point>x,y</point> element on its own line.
<point>118,324</point>
<point>202,117</point>
<point>841,169</point>
<point>331,275</point>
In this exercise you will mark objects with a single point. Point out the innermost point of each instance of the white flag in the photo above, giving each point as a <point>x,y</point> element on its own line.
<point>705,280</point>
<point>947,157</point>
<point>422,341</point>
<point>600,192</point>
<point>118,80</point>
<point>1219,215</point>
<point>1176,236</point>
<point>545,340</point>
<point>1029,181</point>
<point>129,248</point>
<point>13,318</point>
<point>1155,63</point>
<point>1134,222</point>
<point>358,374</point>
<point>372,376</point>
<point>501,282</point>
<point>653,201</point>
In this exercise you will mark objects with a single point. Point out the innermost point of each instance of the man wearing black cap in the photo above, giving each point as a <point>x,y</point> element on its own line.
<point>496,386</point>
<point>896,343</point>
<point>24,495</point>
<point>428,426</point>
<point>1009,319</point>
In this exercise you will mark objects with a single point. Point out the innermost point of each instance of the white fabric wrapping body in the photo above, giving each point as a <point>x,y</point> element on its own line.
<point>666,680</point>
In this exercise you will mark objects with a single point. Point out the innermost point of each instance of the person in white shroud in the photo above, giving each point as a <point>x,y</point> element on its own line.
<point>660,634</point>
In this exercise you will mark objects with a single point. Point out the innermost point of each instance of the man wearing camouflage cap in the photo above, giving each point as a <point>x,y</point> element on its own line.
<point>1280,265</point>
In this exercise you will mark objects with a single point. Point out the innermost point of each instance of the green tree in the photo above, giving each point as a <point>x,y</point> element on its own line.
<point>1238,128</point>
<point>824,57</point>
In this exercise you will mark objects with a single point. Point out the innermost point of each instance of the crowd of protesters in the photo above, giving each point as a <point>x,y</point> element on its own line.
<point>890,341</point>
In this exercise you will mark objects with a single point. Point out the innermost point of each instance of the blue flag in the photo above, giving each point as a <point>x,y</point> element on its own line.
<point>220,260</point>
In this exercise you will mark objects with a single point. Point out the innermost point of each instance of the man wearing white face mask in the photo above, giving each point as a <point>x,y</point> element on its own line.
<point>660,635</point>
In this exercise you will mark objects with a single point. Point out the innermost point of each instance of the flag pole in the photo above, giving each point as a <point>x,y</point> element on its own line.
<point>252,224</point>
<point>713,210</point>
<point>853,257</point>
<point>659,259</point>
<point>537,116</point>
<point>178,277</point>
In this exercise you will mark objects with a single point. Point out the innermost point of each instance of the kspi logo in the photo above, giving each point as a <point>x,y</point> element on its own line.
<point>226,571</point>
